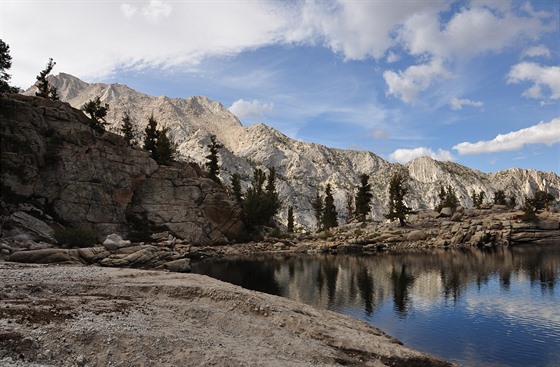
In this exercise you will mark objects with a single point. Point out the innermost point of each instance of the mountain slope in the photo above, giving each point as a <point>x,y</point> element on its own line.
<point>301,167</point>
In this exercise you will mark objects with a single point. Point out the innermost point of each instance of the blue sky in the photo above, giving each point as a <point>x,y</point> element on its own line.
<point>475,82</point>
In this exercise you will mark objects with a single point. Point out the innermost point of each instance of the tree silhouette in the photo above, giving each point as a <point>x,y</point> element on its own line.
<point>363,198</point>
<point>97,112</point>
<point>317,205</point>
<point>447,198</point>
<point>128,130</point>
<point>161,149</point>
<point>236,187</point>
<point>330,215</point>
<point>261,203</point>
<point>397,191</point>
<point>166,150</point>
<point>212,164</point>
<point>290,219</point>
<point>44,89</point>
<point>5,64</point>
<point>500,197</point>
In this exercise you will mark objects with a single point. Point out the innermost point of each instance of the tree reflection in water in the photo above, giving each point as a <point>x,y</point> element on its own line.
<point>401,283</point>
<point>447,289</point>
<point>332,281</point>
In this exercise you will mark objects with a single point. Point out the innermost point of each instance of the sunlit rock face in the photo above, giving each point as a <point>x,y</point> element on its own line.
<point>302,168</point>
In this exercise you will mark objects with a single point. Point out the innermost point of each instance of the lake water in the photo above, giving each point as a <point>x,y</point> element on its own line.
<point>471,307</point>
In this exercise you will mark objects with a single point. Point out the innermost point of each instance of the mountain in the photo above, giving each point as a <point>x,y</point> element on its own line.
<point>301,167</point>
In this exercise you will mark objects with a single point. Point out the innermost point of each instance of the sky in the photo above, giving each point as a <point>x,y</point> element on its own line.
<point>474,82</point>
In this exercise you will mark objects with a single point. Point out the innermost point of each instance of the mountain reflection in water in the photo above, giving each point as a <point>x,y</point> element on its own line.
<point>496,307</point>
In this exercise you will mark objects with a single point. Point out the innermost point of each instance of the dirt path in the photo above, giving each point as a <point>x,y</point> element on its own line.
<point>92,316</point>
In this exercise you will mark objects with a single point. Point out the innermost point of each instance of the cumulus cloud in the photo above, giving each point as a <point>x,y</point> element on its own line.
<point>537,51</point>
<point>541,76</point>
<point>543,133</point>
<point>243,109</point>
<point>457,104</point>
<point>347,27</point>
<point>407,84</point>
<point>469,32</point>
<point>406,155</point>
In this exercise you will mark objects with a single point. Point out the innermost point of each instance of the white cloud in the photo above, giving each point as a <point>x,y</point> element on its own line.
<point>457,104</point>
<point>469,32</point>
<point>417,78</point>
<point>541,76</point>
<point>135,34</point>
<point>356,29</point>
<point>406,155</point>
<point>153,12</point>
<point>537,51</point>
<point>243,109</point>
<point>543,133</point>
<point>156,10</point>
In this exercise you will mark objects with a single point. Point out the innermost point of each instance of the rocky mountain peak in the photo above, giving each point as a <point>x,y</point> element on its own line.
<point>303,168</point>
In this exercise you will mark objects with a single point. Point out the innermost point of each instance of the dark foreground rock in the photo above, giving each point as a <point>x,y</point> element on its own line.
<point>92,316</point>
<point>57,171</point>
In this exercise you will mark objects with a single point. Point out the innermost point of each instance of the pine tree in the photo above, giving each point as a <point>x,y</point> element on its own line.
<point>363,198</point>
<point>451,200</point>
<point>441,196</point>
<point>543,199</point>
<point>254,201</point>
<point>97,112</point>
<point>330,215</point>
<point>500,197</point>
<point>349,205</point>
<point>128,130</point>
<point>166,150</point>
<point>271,201</point>
<point>150,138</point>
<point>5,64</point>
<point>397,191</point>
<point>290,219</point>
<point>212,164</point>
<point>317,206</point>
<point>530,210</point>
<point>447,199</point>
<point>477,199</point>
<point>236,187</point>
<point>44,89</point>
<point>161,149</point>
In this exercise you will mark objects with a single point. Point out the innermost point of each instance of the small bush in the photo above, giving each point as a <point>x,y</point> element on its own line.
<point>75,237</point>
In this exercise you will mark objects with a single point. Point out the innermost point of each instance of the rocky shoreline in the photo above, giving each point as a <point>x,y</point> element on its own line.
<point>52,315</point>
<point>482,228</point>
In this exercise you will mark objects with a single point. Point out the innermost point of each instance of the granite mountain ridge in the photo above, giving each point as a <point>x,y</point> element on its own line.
<point>302,167</point>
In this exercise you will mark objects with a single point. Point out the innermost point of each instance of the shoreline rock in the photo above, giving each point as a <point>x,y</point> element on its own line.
<point>93,316</point>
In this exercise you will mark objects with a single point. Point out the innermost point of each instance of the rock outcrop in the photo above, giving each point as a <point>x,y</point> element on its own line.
<point>56,170</point>
<point>302,168</point>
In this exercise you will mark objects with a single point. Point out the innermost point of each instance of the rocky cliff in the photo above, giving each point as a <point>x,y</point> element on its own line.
<point>302,168</point>
<point>56,170</point>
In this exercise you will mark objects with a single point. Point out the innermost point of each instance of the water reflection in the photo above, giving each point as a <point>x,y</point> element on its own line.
<point>508,294</point>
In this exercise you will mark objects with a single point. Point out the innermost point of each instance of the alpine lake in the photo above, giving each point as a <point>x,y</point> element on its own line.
<point>473,307</point>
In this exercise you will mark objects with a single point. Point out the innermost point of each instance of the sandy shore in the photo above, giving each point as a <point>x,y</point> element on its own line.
<point>54,315</point>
